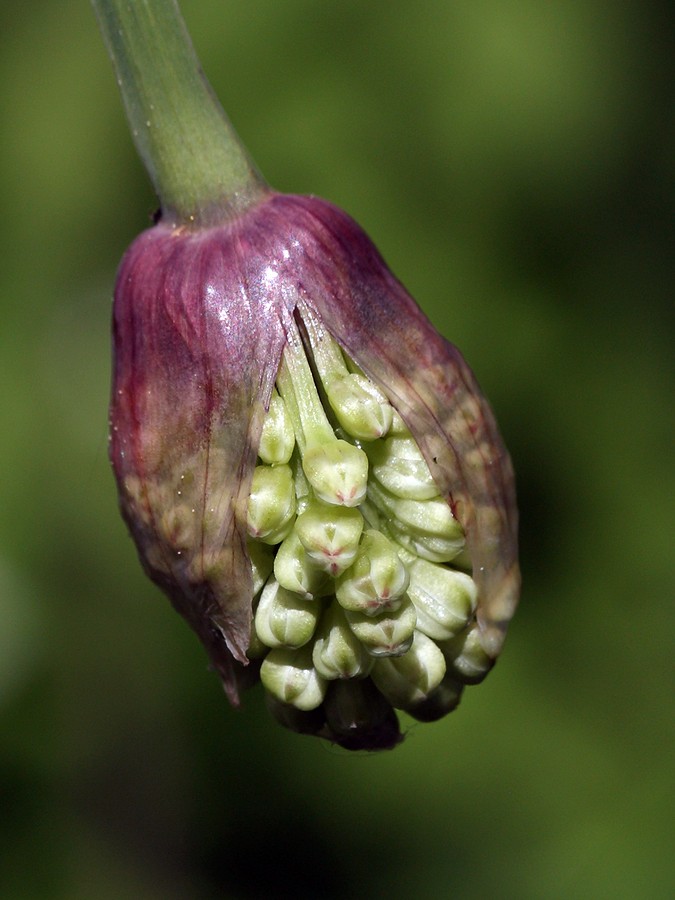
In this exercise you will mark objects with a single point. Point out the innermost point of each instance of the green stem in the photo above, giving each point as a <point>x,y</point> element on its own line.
<point>196,162</point>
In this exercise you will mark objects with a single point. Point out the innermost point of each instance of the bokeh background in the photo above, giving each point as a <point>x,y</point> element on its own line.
<point>514,163</point>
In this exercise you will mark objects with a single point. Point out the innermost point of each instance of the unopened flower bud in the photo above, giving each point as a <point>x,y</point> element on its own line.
<point>425,527</point>
<point>360,408</point>
<point>262,564</point>
<point>466,656</point>
<point>338,653</point>
<point>398,427</point>
<point>337,471</point>
<point>444,598</point>
<point>354,715</point>
<point>388,634</point>
<point>409,679</point>
<point>277,438</point>
<point>398,465</point>
<point>358,717</point>
<point>441,701</point>
<point>257,650</point>
<point>283,618</point>
<point>290,676</point>
<point>296,571</point>
<point>330,535</point>
<point>377,580</point>
<point>271,505</point>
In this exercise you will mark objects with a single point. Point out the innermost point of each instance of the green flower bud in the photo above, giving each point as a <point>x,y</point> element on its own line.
<point>359,718</point>
<point>295,570</point>
<point>444,598</point>
<point>398,465</point>
<point>425,527</point>
<point>338,653</point>
<point>277,439</point>
<point>388,634</point>
<point>283,618</point>
<point>409,679</point>
<point>441,701</point>
<point>337,471</point>
<point>290,677</point>
<point>466,657</point>
<point>256,648</point>
<point>262,564</point>
<point>271,506</point>
<point>330,535</point>
<point>354,715</point>
<point>377,579</point>
<point>360,408</point>
<point>398,427</point>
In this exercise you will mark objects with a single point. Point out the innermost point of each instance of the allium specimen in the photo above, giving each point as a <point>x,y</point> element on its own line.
<point>309,470</point>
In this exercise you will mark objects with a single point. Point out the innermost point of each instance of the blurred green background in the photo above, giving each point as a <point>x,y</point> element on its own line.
<point>514,163</point>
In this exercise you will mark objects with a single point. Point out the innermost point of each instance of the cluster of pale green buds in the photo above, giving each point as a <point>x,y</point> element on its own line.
<point>358,563</point>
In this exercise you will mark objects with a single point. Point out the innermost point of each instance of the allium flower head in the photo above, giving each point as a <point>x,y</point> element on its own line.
<point>309,470</point>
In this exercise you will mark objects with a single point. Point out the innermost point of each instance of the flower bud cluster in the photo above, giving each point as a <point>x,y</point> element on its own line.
<point>362,604</point>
